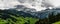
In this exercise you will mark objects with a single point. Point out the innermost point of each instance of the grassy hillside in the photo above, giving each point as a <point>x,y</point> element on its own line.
<point>11,18</point>
<point>58,22</point>
<point>18,20</point>
<point>19,17</point>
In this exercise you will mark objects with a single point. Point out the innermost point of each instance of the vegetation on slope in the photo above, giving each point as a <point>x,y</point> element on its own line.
<point>15,17</point>
<point>18,20</point>
<point>12,18</point>
<point>52,19</point>
<point>56,22</point>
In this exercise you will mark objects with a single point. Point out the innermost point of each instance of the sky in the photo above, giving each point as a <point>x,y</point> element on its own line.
<point>7,4</point>
<point>55,2</point>
<point>36,4</point>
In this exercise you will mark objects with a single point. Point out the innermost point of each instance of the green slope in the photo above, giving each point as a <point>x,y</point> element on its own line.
<point>56,22</point>
<point>18,20</point>
<point>10,18</point>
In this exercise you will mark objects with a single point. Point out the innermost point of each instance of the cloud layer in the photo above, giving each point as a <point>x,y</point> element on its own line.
<point>36,4</point>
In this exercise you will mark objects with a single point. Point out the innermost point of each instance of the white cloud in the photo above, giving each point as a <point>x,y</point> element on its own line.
<point>36,4</point>
<point>55,2</point>
<point>6,4</point>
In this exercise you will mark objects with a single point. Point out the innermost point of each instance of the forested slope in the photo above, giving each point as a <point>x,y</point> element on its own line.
<point>15,17</point>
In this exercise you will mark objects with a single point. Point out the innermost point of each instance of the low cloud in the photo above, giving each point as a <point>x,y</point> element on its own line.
<point>33,4</point>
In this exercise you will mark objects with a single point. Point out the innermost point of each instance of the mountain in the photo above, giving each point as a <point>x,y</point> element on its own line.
<point>29,12</point>
<point>15,12</point>
<point>39,14</point>
<point>45,13</point>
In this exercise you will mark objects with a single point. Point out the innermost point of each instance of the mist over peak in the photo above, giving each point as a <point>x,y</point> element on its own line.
<point>38,5</point>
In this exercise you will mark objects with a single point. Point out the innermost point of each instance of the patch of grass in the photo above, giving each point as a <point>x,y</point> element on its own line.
<point>57,22</point>
<point>19,20</point>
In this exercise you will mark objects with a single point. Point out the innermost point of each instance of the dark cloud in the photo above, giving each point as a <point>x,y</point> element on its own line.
<point>22,1</point>
<point>23,8</point>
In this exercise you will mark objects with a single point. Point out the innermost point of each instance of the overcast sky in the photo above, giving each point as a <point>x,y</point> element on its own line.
<point>36,4</point>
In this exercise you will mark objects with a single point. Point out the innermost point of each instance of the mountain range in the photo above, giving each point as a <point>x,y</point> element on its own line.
<point>29,12</point>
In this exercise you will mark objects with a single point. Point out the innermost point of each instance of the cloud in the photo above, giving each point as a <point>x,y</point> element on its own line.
<point>7,4</point>
<point>23,8</point>
<point>36,4</point>
<point>46,4</point>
